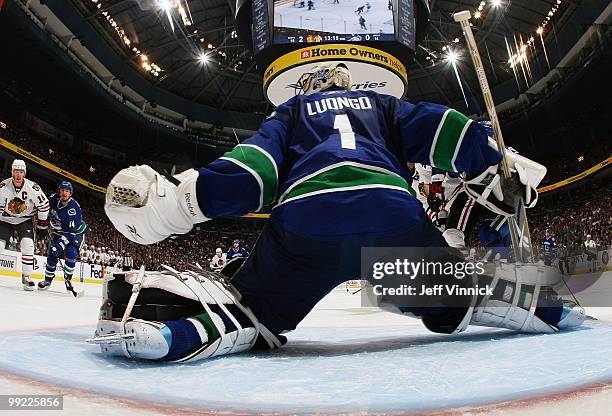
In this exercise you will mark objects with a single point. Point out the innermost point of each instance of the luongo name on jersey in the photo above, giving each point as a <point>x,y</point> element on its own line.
<point>334,163</point>
<point>20,204</point>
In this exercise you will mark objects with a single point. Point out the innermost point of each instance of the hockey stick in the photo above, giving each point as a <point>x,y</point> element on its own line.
<point>68,283</point>
<point>518,226</point>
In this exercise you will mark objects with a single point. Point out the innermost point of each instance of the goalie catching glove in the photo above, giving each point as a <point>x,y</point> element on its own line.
<point>147,208</point>
<point>502,195</point>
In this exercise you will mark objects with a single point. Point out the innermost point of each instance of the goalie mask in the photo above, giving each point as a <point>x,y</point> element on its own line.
<point>324,77</point>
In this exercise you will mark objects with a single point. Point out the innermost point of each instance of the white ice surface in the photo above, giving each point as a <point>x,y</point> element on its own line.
<point>341,359</point>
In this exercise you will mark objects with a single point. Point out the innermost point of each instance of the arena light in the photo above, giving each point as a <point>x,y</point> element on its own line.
<point>452,58</point>
<point>151,67</point>
<point>496,3</point>
<point>165,5</point>
<point>477,15</point>
<point>203,58</point>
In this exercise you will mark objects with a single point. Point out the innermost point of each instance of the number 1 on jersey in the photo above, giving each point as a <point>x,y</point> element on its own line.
<point>347,136</point>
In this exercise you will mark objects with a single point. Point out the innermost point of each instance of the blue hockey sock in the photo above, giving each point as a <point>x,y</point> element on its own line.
<point>182,338</point>
<point>550,311</point>
<point>187,335</point>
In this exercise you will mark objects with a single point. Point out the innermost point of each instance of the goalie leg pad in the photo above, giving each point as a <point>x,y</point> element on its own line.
<point>523,300</point>
<point>217,323</point>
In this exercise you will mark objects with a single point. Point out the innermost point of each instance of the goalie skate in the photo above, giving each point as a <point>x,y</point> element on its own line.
<point>519,291</point>
<point>521,298</point>
<point>139,327</point>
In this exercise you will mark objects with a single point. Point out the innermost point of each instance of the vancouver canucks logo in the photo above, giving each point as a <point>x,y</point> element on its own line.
<point>133,231</point>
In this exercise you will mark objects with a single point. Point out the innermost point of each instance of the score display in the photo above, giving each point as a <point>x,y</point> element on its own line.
<point>284,22</point>
<point>311,21</point>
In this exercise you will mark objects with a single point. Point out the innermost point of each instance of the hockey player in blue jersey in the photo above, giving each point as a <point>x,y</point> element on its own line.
<point>494,235</point>
<point>236,251</point>
<point>67,235</point>
<point>332,162</point>
<point>549,247</point>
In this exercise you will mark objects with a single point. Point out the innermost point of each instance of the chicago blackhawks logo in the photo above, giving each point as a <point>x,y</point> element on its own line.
<point>423,189</point>
<point>16,206</point>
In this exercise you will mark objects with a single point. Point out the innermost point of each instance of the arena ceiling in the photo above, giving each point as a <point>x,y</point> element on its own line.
<point>195,53</point>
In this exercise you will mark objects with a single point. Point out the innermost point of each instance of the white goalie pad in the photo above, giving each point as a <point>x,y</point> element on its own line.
<point>137,338</point>
<point>514,307</point>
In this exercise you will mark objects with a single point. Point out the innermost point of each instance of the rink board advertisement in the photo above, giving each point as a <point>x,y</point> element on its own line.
<point>10,265</point>
<point>584,263</point>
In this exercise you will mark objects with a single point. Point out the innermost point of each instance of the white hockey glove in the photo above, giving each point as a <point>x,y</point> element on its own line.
<point>501,195</point>
<point>147,208</point>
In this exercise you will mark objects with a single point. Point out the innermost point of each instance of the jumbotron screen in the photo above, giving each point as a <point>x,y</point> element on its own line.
<point>312,21</point>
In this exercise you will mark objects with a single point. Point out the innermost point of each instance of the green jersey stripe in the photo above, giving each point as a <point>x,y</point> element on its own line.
<point>259,162</point>
<point>81,228</point>
<point>448,138</point>
<point>344,177</point>
<point>254,174</point>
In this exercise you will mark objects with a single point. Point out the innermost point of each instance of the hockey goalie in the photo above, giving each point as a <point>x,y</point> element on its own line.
<point>332,163</point>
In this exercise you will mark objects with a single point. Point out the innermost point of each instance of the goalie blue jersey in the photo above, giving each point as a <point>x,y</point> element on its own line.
<point>333,164</point>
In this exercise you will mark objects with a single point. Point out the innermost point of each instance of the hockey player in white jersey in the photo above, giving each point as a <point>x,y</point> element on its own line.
<point>218,261</point>
<point>20,200</point>
<point>333,164</point>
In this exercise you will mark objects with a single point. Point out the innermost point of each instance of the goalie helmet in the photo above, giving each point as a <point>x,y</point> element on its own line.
<point>323,77</point>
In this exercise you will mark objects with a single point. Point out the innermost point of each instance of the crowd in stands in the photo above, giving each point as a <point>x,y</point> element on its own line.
<point>92,169</point>
<point>196,247</point>
<point>572,215</point>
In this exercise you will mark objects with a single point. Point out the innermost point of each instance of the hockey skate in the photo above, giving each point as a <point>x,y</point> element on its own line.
<point>179,317</point>
<point>28,284</point>
<point>44,284</point>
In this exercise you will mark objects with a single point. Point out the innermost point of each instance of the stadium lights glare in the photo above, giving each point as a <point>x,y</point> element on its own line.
<point>496,3</point>
<point>452,56</point>
<point>165,4</point>
<point>477,15</point>
<point>203,58</point>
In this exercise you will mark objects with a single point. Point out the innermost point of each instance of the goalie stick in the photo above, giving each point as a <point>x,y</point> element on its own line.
<point>517,224</point>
